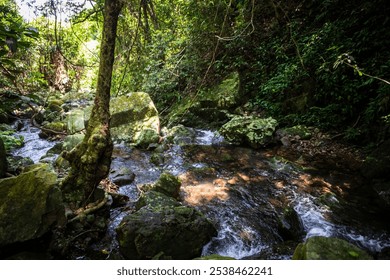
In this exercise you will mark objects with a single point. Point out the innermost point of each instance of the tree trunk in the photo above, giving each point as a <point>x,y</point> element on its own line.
<point>90,161</point>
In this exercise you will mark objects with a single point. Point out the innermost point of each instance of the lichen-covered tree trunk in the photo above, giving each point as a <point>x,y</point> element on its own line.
<point>90,161</point>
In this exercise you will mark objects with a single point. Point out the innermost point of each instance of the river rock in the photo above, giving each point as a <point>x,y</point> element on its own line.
<point>131,115</point>
<point>167,184</point>
<point>16,164</point>
<point>3,159</point>
<point>328,248</point>
<point>122,176</point>
<point>290,225</point>
<point>75,120</point>
<point>180,135</point>
<point>180,232</point>
<point>249,130</point>
<point>161,225</point>
<point>134,119</point>
<point>31,204</point>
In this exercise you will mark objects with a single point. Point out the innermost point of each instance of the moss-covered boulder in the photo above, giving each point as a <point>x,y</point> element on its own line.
<point>3,159</point>
<point>328,248</point>
<point>75,120</point>
<point>30,205</point>
<point>168,184</point>
<point>249,130</point>
<point>162,226</point>
<point>180,135</point>
<point>178,232</point>
<point>132,114</point>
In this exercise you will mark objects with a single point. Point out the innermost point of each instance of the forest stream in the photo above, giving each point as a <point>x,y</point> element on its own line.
<point>245,193</point>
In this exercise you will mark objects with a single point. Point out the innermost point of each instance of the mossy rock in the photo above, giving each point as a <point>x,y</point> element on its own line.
<point>147,137</point>
<point>249,130</point>
<point>180,135</point>
<point>72,141</point>
<point>167,184</point>
<point>176,232</point>
<point>328,248</point>
<point>156,200</point>
<point>215,257</point>
<point>131,114</point>
<point>303,132</point>
<point>75,121</point>
<point>31,204</point>
<point>290,225</point>
<point>3,159</point>
<point>55,126</point>
<point>16,164</point>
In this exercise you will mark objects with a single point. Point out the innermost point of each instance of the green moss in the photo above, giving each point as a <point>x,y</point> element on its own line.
<point>56,126</point>
<point>29,204</point>
<point>300,130</point>
<point>249,130</point>
<point>215,257</point>
<point>328,248</point>
<point>10,140</point>
<point>168,184</point>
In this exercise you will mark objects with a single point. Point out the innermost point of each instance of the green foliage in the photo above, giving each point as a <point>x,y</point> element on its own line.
<point>15,41</point>
<point>10,140</point>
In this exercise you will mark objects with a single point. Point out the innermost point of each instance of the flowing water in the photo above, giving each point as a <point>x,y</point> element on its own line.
<point>34,147</point>
<point>244,192</point>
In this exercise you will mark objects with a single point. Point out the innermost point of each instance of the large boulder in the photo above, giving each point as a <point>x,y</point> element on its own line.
<point>3,159</point>
<point>162,226</point>
<point>30,205</point>
<point>75,120</point>
<point>133,114</point>
<point>249,130</point>
<point>134,119</point>
<point>328,248</point>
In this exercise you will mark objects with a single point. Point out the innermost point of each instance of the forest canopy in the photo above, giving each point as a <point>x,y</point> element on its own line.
<point>320,63</point>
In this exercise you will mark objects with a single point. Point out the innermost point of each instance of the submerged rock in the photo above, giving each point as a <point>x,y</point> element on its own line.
<point>31,204</point>
<point>249,130</point>
<point>329,248</point>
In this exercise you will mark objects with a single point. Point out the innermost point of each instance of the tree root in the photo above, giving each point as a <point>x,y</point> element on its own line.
<point>81,213</point>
